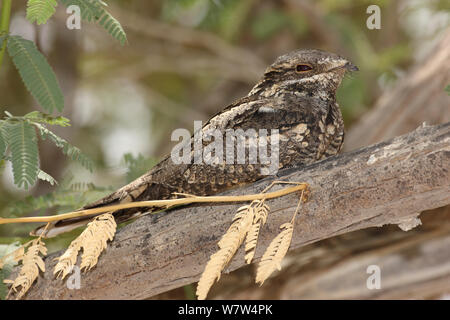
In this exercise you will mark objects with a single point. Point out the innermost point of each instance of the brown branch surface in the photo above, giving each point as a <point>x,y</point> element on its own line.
<point>387,183</point>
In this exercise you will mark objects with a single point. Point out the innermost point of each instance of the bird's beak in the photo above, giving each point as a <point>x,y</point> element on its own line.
<point>344,65</point>
<point>350,67</point>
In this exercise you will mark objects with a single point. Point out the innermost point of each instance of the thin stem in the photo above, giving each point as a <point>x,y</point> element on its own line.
<point>298,207</point>
<point>159,203</point>
<point>4,26</point>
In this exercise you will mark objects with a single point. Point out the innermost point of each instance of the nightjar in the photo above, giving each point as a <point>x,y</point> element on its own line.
<point>296,97</point>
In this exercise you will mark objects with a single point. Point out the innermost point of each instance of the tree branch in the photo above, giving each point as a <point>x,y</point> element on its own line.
<point>388,183</point>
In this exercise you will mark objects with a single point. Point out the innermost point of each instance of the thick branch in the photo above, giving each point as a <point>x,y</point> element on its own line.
<point>388,183</point>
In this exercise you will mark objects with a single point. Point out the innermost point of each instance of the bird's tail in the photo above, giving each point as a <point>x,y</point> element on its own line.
<point>61,226</point>
<point>128,193</point>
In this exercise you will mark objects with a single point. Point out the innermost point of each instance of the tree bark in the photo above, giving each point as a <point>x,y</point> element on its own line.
<point>387,183</point>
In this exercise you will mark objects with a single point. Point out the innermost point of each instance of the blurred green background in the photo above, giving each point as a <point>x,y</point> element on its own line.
<point>184,61</point>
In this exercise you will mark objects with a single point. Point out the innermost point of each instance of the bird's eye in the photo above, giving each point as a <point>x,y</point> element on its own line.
<point>303,68</point>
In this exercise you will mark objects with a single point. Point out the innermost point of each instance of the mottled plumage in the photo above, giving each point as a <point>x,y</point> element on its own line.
<point>296,95</point>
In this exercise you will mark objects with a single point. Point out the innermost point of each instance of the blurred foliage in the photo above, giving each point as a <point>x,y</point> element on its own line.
<point>137,166</point>
<point>7,265</point>
<point>68,196</point>
<point>18,136</point>
<point>269,23</point>
<point>186,60</point>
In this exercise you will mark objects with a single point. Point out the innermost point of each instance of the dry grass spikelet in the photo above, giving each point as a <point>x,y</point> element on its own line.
<point>228,244</point>
<point>98,232</point>
<point>31,263</point>
<point>261,212</point>
<point>277,249</point>
<point>93,240</point>
<point>67,260</point>
<point>275,253</point>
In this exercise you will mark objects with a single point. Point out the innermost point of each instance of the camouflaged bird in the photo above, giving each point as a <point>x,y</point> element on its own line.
<point>296,95</point>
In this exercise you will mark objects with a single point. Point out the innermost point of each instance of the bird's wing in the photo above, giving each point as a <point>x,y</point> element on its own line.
<point>160,179</point>
<point>132,190</point>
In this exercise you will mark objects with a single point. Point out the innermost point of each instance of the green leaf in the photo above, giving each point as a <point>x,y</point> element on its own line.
<point>40,10</point>
<point>447,89</point>
<point>46,177</point>
<point>24,153</point>
<point>3,141</point>
<point>73,152</point>
<point>40,117</point>
<point>90,10</point>
<point>113,27</point>
<point>94,11</point>
<point>36,73</point>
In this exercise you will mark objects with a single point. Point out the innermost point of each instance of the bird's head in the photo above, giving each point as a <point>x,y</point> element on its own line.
<point>305,70</point>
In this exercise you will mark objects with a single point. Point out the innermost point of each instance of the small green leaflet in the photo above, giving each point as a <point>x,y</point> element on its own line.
<point>40,10</point>
<point>94,11</point>
<point>37,116</point>
<point>447,89</point>
<point>24,153</point>
<point>3,141</point>
<point>91,10</point>
<point>113,27</point>
<point>36,73</point>
<point>71,151</point>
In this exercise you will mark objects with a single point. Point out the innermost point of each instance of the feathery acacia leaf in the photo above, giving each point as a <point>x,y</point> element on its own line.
<point>90,10</point>
<point>36,73</point>
<point>71,151</point>
<point>19,134</point>
<point>24,153</point>
<point>94,11</point>
<point>37,116</point>
<point>40,10</point>
<point>113,27</point>
<point>3,141</point>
